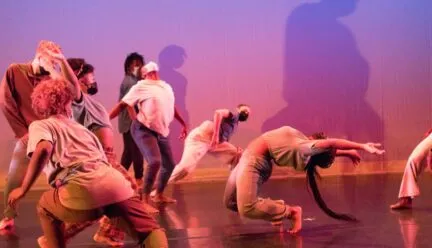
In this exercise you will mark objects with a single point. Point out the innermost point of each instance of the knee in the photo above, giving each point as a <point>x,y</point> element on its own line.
<point>231,205</point>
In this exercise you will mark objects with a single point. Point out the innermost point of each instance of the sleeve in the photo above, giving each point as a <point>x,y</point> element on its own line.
<point>307,148</point>
<point>125,87</point>
<point>136,93</point>
<point>8,104</point>
<point>38,131</point>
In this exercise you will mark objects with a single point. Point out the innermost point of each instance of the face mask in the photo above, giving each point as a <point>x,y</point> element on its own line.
<point>43,72</point>
<point>92,89</point>
<point>135,71</point>
<point>243,115</point>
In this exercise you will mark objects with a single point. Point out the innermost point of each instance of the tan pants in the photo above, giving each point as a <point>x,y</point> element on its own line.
<point>130,214</point>
<point>416,163</point>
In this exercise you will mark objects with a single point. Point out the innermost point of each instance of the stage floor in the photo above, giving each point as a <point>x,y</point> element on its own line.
<point>200,220</point>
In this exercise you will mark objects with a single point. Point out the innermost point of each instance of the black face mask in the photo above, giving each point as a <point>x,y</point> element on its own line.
<point>92,89</point>
<point>243,115</point>
<point>43,72</point>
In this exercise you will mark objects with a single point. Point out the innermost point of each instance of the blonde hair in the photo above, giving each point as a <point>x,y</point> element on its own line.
<point>51,97</point>
<point>46,45</point>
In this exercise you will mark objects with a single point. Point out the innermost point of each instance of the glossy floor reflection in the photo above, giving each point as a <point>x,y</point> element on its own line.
<point>200,220</point>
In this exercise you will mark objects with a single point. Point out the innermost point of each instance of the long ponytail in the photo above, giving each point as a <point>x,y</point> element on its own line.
<point>311,174</point>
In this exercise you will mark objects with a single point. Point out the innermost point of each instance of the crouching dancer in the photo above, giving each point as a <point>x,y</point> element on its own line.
<point>85,185</point>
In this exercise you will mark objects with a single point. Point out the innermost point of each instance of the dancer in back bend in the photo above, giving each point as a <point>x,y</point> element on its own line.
<point>285,146</point>
<point>85,185</point>
<point>150,128</point>
<point>211,137</point>
<point>419,159</point>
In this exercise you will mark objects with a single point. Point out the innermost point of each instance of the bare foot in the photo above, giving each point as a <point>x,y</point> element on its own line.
<point>296,219</point>
<point>402,203</point>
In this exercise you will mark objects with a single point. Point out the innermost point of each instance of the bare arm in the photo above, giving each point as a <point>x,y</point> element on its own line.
<point>39,159</point>
<point>182,122</point>
<point>117,109</point>
<point>67,72</point>
<point>179,117</point>
<point>342,144</point>
<point>69,75</point>
<point>131,112</point>
<point>217,120</point>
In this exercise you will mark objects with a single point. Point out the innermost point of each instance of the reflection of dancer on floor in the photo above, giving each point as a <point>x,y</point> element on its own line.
<point>150,128</point>
<point>92,115</point>
<point>417,162</point>
<point>285,146</point>
<point>84,184</point>
<point>212,137</point>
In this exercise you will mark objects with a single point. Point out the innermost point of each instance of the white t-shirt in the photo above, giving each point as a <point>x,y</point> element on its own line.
<point>155,101</point>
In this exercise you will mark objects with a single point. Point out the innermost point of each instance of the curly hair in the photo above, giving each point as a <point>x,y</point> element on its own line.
<point>51,97</point>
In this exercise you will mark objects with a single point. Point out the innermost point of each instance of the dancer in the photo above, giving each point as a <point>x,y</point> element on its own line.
<point>15,90</point>
<point>131,153</point>
<point>150,128</point>
<point>285,146</point>
<point>212,137</point>
<point>85,185</point>
<point>418,160</point>
<point>92,115</point>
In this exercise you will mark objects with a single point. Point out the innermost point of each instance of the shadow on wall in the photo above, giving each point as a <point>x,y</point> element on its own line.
<point>171,58</point>
<point>325,77</point>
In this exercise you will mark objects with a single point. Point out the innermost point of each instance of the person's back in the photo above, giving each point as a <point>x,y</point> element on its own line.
<point>78,161</point>
<point>156,105</point>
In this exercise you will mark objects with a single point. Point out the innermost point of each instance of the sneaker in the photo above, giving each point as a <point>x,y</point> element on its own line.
<point>7,223</point>
<point>107,241</point>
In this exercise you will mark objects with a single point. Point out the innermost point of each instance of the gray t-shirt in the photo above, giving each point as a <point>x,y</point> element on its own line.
<point>124,121</point>
<point>290,147</point>
<point>90,113</point>
<point>79,161</point>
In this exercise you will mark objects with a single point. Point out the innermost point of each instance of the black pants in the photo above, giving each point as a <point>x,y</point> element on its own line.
<point>131,154</point>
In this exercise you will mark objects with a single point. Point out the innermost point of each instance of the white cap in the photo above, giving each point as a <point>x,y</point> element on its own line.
<point>150,66</point>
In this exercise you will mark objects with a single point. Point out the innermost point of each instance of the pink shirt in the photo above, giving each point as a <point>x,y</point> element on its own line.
<point>155,100</point>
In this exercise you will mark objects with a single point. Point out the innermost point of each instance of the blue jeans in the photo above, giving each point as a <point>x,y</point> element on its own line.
<point>156,150</point>
<point>17,170</point>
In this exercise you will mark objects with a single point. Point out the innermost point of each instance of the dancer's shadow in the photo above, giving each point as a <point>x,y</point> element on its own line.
<point>325,77</point>
<point>171,58</point>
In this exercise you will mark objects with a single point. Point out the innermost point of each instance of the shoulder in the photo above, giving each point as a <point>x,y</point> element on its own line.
<point>15,68</point>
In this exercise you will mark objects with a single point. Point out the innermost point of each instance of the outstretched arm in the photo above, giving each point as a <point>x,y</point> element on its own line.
<point>351,154</point>
<point>182,122</point>
<point>342,144</point>
<point>38,160</point>
<point>217,120</point>
<point>117,109</point>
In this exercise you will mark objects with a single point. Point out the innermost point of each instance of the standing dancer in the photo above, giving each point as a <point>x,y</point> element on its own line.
<point>285,146</point>
<point>418,160</point>
<point>212,137</point>
<point>15,90</point>
<point>150,128</point>
<point>131,153</point>
<point>93,116</point>
<point>85,185</point>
